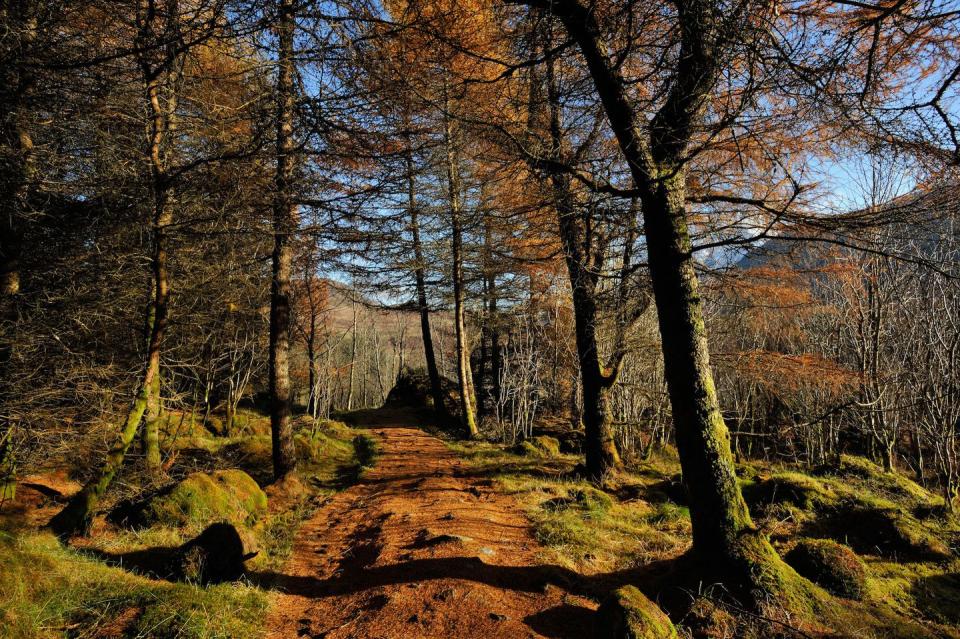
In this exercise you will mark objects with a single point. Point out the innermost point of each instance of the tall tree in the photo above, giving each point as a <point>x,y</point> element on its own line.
<point>420,280</point>
<point>160,46</point>
<point>468,415</point>
<point>285,223</point>
<point>725,540</point>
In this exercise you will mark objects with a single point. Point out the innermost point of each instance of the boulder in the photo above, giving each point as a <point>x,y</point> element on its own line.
<point>216,555</point>
<point>628,614</point>
<point>833,566</point>
<point>795,489</point>
<point>539,446</point>
<point>203,498</point>
<point>412,390</point>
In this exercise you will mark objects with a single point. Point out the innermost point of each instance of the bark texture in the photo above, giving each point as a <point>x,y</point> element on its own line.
<point>419,273</point>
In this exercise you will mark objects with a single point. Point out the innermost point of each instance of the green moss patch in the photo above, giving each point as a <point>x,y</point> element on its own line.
<point>205,498</point>
<point>880,528</point>
<point>833,566</point>
<point>539,446</point>
<point>628,614</point>
<point>792,488</point>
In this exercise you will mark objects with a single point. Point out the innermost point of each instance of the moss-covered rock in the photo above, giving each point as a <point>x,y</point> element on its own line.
<point>592,499</point>
<point>890,485</point>
<point>833,566</point>
<point>539,446</point>
<point>706,619</point>
<point>628,614</point>
<point>205,498</point>
<point>254,450</point>
<point>792,488</point>
<point>412,389</point>
<point>550,446</point>
<point>881,528</point>
<point>216,555</point>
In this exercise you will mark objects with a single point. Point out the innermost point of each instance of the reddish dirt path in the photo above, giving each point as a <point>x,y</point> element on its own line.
<point>419,548</point>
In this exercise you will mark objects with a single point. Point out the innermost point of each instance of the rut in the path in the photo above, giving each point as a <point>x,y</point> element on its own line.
<point>420,549</point>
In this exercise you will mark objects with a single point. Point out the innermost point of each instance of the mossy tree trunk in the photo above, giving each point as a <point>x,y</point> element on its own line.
<point>150,436</point>
<point>581,258</point>
<point>151,430</point>
<point>77,515</point>
<point>468,416</point>
<point>726,544</point>
<point>285,223</point>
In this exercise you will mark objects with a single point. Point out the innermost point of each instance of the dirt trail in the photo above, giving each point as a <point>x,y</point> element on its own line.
<point>419,548</point>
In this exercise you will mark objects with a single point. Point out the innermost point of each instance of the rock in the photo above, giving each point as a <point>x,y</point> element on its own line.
<point>796,489</point>
<point>498,617</point>
<point>539,446</point>
<point>204,498</point>
<point>628,614</point>
<point>216,555</point>
<point>831,565</point>
<point>882,529</point>
<point>592,499</point>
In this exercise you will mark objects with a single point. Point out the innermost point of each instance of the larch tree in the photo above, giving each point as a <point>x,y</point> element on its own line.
<point>164,33</point>
<point>723,60</point>
<point>285,224</point>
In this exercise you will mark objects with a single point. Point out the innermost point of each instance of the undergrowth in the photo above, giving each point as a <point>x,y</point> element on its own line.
<point>907,543</point>
<point>92,590</point>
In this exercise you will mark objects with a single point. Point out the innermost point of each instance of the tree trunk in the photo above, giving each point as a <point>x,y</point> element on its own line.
<point>353,358</point>
<point>77,515</point>
<point>725,543</point>
<point>285,224</point>
<point>464,375</point>
<point>600,451</point>
<point>151,427</point>
<point>150,438</point>
<point>496,363</point>
<point>312,359</point>
<point>419,273</point>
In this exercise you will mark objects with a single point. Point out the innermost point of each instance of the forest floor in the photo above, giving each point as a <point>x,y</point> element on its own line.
<point>421,547</point>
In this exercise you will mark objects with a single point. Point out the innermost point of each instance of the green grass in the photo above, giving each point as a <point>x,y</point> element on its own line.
<point>48,590</point>
<point>581,526</point>
<point>638,516</point>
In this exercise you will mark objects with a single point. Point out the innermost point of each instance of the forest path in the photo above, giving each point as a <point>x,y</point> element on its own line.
<point>421,547</point>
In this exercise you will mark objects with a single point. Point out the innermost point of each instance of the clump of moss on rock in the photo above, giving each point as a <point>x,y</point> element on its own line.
<point>539,446</point>
<point>833,566</point>
<point>204,498</point>
<point>592,499</point>
<point>882,529</point>
<point>889,484</point>
<point>586,498</point>
<point>215,556</point>
<point>629,614</point>
<point>792,488</point>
